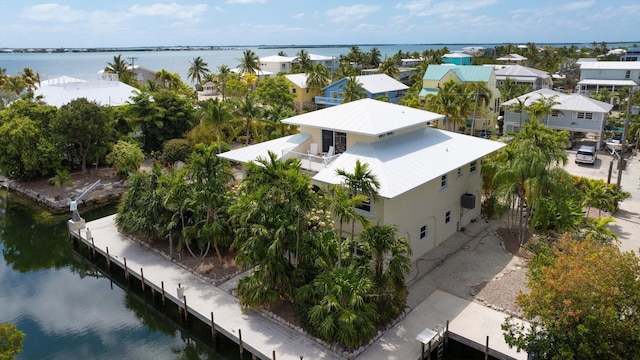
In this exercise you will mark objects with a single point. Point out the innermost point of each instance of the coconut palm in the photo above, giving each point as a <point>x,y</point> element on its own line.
<point>519,107</point>
<point>302,62</point>
<point>31,78</point>
<point>542,108</point>
<point>390,68</point>
<point>119,66</point>
<point>249,63</point>
<point>352,90</point>
<point>15,84</point>
<point>197,69</point>
<point>217,114</point>
<point>223,73</point>
<point>251,112</point>
<point>170,81</point>
<point>318,77</point>
<point>445,102</point>
<point>373,57</point>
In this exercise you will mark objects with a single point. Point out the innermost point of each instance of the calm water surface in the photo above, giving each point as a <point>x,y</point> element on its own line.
<point>68,309</point>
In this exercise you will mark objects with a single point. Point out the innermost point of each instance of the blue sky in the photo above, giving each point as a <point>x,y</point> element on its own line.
<point>124,23</point>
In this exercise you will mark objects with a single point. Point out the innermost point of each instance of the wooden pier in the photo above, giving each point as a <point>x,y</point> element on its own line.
<point>262,336</point>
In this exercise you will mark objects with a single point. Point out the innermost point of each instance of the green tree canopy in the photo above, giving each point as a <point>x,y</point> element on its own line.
<point>126,157</point>
<point>11,339</point>
<point>83,124</point>
<point>583,303</point>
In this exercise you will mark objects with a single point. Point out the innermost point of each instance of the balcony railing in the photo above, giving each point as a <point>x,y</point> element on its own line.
<point>308,161</point>
<point>328,100</point>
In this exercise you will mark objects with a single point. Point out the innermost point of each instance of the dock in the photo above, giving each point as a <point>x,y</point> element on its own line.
<point>261,335</point>
<point>466,322</point>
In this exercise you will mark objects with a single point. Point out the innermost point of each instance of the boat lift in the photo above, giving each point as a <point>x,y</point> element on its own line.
<point>77,222</point>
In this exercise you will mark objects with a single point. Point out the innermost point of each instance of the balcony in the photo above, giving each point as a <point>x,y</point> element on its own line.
<point>310,162</point>
<point>328,101</point>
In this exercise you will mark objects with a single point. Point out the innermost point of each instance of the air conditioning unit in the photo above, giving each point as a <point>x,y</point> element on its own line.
<point>468,201</point>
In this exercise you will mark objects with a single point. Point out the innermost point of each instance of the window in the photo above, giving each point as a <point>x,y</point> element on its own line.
<point>443,181</point>
<point>447,217</point>
<point>555,113</point>
<point>627,75</point>
<point>585,115</point>
<point>473,166</point>
<point>293,90</point>
<point>365,206</point>
<point>423,231</point>
<point>336,139</point>
<point>459,172</point>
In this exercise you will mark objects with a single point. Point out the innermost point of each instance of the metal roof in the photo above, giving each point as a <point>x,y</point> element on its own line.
<point>466,73</point>
<point>380,83</point>
<point>299,80</point>
<point>607,82</point>
<point>404,162</point>
<point>106,93</point>
<point>366,116</point>
<point>611,65</point>
<point>567,102</point>
<point>520,71</point>
<point>512,57</point>
<point>277,146</point>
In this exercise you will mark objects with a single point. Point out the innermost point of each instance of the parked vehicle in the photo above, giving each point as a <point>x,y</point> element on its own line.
<point>586,155</point>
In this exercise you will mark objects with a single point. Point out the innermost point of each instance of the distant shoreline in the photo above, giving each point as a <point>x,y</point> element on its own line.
<point>282,46</point>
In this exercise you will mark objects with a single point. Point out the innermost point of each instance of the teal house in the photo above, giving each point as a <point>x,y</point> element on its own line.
<point>457,58</point>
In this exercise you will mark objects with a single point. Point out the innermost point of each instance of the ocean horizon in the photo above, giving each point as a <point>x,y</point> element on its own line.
<point>84,64</point>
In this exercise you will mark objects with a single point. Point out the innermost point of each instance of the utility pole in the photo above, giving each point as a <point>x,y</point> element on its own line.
<point>133,72</point>
<point>623,141</point>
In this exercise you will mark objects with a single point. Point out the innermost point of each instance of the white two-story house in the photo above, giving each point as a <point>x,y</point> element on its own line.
<point>430,183</point>
<point>610,75</point>
<point>574,113</point>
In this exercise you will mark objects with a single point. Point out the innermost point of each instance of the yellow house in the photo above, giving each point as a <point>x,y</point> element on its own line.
<point>430,183</point>
<point>437,75</point>
<point>303,95</point>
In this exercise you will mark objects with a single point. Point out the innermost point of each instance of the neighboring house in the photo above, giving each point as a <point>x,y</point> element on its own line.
<point>512,59</point>
<point>474,50</point>
<point>61,91</point>
<point>574,113</point>
<point>610,75</point>
<point>141,74</point>
<point>277,63</point>
<point>457,58</point>
<point>437,75</point>
<point>430,183</point>
<point>303,95</point>
<point>374,85</point>
<point>262,74</point>
<point>633,54</point>
<point>523,75</point>
<point>404,73</point>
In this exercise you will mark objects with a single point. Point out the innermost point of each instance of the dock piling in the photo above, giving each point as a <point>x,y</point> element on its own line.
<point>274,355</point>
<point>240,340</point>
<point>126,270</point>
<point>186,312</point>
<point>213,327</point>
<point>162,285</point>
<point>142,279</point>
<point>486,350</point>
<point>108,258</point>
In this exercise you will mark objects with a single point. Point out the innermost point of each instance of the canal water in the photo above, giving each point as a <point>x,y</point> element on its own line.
<point>71,307</point>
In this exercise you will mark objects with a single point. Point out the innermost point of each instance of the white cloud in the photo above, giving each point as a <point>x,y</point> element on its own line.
<point>52,12</point>
<point>443,8</point>
<point>298,16</point>
<point>578,5</point>
<point>175,10</point>
<point>351,13</point>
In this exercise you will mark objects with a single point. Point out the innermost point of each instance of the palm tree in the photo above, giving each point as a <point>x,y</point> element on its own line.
<point>176,194</point>
<point>211,176</point>
<point>482,93</point>
<point>344,208</point>
<point>519,107</point>
<point>543,107</point>
<point>444,102</point>
<point>223,73</point>
<point>374,57</point>
<point>249,63</point>
<point>599,230</point>
<point>390,67</point>
<point>251,112</point>
<point>170,81</point>
<point>216,113</point>
<point>197,69</point>
<point>318,77</point>
<point>31,78</point>
<point>352,90</point>
<point>302,62</point>
<point>15,84</point>
<point>361,181</point>
<point>119,66</point>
